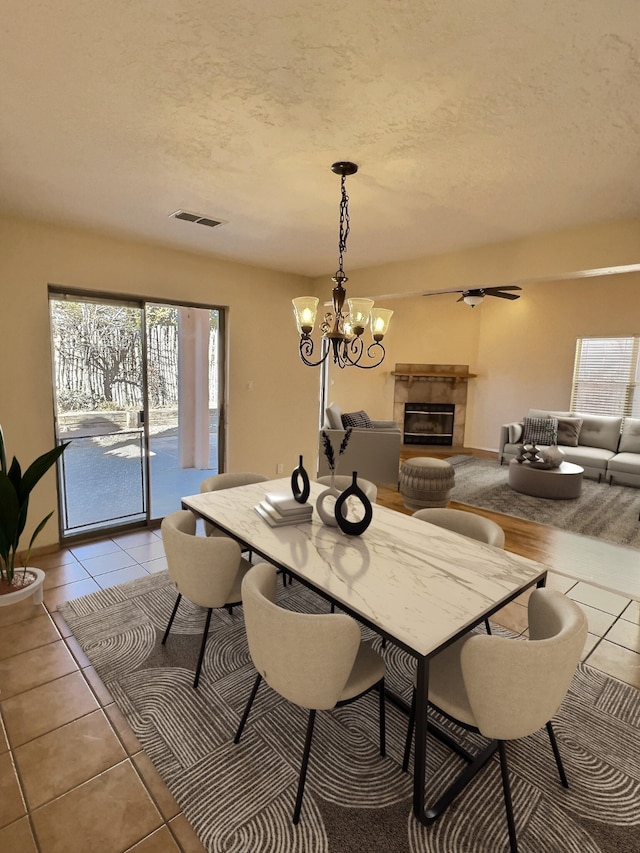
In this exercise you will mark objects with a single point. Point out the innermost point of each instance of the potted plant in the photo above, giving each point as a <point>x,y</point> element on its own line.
<point>15,488</point>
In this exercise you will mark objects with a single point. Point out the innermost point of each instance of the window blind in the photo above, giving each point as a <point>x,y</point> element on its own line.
<point>605,376</point>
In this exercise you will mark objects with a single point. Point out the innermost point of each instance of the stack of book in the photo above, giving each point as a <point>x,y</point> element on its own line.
<point>279,508</point>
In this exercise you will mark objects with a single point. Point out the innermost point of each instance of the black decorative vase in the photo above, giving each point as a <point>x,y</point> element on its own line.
<point>354,528</point>
<point>299,474</point>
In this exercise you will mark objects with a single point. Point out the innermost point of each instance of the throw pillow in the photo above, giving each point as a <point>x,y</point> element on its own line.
<point>333,415</point>
<point>359,420</point>
<point>539,430</point>
<point>569,431</point>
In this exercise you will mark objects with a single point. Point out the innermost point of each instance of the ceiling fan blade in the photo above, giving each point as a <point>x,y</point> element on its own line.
<point>505,295</point>
<point>501,288</point>
<point>461,299</point>
<point>440,292</point>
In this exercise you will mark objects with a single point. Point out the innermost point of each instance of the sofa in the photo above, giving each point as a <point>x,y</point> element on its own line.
<point>373,449</point>
<point>607,447</point>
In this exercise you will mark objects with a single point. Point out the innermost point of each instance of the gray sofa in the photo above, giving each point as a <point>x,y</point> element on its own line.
<point>373,451</point>
<point>608,448</point>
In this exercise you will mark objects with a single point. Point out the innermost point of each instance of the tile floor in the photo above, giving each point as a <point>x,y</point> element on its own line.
<point>73,777</point>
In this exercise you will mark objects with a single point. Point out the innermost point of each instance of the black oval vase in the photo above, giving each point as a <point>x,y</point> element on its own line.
<point>300,494</point>
<point>354,528</point>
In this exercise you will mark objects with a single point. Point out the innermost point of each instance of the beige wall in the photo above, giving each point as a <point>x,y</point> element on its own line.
<point>261,339</point>
<point>522,350</point>
<point>546,256</point>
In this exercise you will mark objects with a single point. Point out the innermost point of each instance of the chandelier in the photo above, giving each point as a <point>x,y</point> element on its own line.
<point>342,330</point>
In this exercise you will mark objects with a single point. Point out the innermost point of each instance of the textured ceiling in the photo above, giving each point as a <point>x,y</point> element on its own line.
<point>472,121</point>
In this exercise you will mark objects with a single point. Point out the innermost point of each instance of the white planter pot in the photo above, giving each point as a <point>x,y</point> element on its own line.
<point>34,589</point>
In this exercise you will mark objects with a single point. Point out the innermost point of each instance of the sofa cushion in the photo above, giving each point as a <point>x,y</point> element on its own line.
<point>515,432</point>
<point>539,430</point>
<point>630,438</point>
<point>545,413</point>
<point>569,431</point>
<point>359,420</point>
<point>600,431</point>
<point>333,414</point>
<point>627,463</point>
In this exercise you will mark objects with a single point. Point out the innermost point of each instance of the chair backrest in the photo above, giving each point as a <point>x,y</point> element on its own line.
<point>203,569</point>
<point>227,481</point>
<point>467,523</point>
<point>305,657</point>
<point>230,481</point>
<point>343,482</point>
<point>516,686</point>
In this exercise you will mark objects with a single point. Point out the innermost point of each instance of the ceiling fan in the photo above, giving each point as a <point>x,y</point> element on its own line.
<point>475,296</point>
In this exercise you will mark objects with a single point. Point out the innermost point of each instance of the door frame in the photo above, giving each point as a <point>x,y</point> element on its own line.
<point>56,291</point>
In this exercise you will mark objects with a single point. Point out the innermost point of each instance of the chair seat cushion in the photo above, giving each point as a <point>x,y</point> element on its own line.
<point>367,670</point>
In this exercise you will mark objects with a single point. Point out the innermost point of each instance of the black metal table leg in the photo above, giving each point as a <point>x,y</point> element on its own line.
<point>420,745</point>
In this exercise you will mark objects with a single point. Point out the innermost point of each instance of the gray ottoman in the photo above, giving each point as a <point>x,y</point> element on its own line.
<point>426,482</point>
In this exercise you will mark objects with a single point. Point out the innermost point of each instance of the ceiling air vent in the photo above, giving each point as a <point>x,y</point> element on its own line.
<point>196,217</point>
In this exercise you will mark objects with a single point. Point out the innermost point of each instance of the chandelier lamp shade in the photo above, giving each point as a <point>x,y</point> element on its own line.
<point>342,330</point>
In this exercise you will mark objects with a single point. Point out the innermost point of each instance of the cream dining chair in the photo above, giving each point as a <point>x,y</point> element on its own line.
<point>206,570</point>
<point>343,482</point>
<point>467,523</point>
<point>507,689</point>
<point>227,481</point>
<point>316,661</point>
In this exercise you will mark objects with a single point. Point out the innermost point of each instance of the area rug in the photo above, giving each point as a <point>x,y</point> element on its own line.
<point>240,798</point>
<point>606,512</point>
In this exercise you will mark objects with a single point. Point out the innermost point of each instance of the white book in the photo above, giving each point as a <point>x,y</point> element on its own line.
<point>303,515</point>
<point>273,518</point>
<point>286,504</point>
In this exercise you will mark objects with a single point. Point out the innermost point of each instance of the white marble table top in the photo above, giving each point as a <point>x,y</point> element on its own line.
<point>419,583</point>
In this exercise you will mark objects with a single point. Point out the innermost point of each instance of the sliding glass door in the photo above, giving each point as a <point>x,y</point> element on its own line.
<point>183,381</point>
<point>137,395</point>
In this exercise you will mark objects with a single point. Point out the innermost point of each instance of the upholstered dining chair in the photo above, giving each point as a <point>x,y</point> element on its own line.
<point>316,661</point>
<point>467,524</point>
<point>343,482</point>
<point>507,689</point>
<point>227,481</point>
<point>206,570</point>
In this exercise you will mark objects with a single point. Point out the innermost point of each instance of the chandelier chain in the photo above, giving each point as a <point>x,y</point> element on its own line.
<point>344,223</point>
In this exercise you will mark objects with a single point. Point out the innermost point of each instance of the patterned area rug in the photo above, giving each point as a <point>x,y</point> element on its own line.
<point>240,798</point>
<point>606,512</point>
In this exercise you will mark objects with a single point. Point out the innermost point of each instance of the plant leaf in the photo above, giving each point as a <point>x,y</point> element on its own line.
<point>328,450</point>
<point>38,469</point>
<point>3,453</point>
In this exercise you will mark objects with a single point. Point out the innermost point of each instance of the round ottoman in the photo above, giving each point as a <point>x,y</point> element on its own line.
<point>426,482</point>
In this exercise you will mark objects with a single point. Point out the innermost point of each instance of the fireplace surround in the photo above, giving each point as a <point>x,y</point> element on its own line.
<point>437,384</point>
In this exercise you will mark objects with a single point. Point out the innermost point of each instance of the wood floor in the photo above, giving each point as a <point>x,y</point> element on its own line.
<point>547,545</point>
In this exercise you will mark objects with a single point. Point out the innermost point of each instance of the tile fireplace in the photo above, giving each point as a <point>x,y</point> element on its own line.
<point>431,401</point>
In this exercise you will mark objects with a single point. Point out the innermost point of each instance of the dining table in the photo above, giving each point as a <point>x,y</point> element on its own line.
<point>417,585</point>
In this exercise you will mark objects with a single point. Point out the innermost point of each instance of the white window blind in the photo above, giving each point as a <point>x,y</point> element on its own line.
<point>605,376</point>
